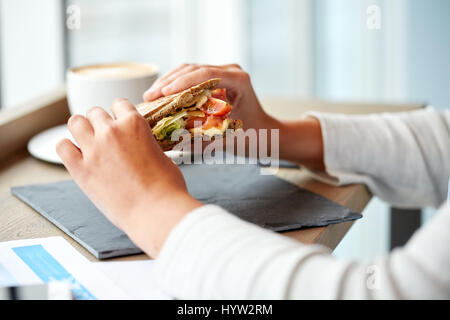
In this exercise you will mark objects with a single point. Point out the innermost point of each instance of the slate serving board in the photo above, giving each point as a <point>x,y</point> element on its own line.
<point>265,200</point>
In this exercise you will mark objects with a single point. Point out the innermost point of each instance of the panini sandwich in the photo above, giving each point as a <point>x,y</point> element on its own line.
<point>201,110</point>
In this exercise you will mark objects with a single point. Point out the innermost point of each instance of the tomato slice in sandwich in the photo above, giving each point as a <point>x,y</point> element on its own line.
<point>212,122</point>
<point>216,107</point>
<point>220,94</point>
<point>204,122</point>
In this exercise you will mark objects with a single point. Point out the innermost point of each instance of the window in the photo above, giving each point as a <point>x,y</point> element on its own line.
<point>292,48</point>
<point>116,30</point>
<point>37,46</point>
<point>32,60</point>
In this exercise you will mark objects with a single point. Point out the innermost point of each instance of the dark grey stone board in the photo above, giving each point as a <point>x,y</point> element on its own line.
<point>65,205</point>
<point>267,201</point>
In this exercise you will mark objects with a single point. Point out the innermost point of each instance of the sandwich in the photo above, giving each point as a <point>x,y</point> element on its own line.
<point>202,110</point>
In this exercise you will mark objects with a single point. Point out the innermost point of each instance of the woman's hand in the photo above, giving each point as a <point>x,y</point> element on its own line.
<point>300,140</point>
<point>120,167</point>
<point>241,95</point>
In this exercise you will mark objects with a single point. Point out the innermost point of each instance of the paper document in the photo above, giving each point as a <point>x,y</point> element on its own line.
<point>43,260</point>
<point>135,278</point>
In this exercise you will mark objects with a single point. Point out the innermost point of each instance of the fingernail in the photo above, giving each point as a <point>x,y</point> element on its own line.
<point>149,94</point>
<point>120,100</point>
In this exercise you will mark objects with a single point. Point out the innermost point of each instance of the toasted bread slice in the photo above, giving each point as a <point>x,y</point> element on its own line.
<point>164,106</point>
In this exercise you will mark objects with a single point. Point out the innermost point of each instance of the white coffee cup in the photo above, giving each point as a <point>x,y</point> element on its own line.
<point>101,84</point>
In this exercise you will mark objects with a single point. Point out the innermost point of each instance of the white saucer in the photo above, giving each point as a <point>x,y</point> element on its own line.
<point>43,145</point>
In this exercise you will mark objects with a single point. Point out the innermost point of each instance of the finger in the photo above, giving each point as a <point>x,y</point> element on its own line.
<point>98,118</point>
<point>70,154</point>
<point>122,107</point>
<point>232,66</point>
<point>170,73</point>
<point>154,91</point>
<point>193,78</point>
<point>175,75</point>
<point>81,130</point>
<point>192,68</point>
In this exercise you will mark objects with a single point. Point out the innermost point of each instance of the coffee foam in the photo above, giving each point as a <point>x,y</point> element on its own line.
<point>115,71</point>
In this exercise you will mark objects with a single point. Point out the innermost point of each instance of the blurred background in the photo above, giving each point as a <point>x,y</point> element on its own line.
<point>340,50</point>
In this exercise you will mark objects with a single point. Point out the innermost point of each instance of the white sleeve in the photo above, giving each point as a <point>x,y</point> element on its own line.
<point>404,158</point>
<point>211,254</point>
<point>214,255</point>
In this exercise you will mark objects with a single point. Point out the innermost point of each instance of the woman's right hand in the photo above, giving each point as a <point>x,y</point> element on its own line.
<point>241,95</point>
<point>300,140</point>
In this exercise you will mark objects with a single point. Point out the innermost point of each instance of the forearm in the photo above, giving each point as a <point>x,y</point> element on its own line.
<point>404,158</point>
<point>151,222</point>
<point>301,142</point>
<point>213,255</point>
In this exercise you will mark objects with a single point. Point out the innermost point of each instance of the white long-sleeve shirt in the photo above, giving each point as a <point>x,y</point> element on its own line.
<point>403,158</point>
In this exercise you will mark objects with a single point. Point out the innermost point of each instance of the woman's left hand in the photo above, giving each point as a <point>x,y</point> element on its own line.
<point>121,168</point>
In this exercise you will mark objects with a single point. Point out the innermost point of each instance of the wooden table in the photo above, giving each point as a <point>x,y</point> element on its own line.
<point>18,221</point>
